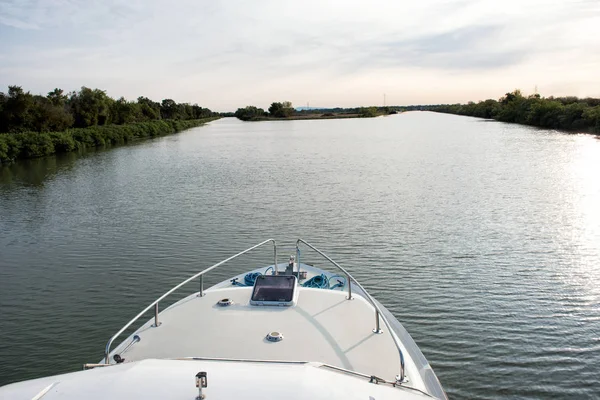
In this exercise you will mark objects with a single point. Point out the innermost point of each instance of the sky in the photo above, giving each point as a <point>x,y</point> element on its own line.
<point>229,54</point>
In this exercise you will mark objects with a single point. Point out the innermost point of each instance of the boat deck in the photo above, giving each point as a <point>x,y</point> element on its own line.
<point>174,379</point>
<point>323,326</point>
<point>332,345</point>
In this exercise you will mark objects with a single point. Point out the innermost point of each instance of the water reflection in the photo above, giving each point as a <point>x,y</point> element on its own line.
<point>36,171</point>
<point>585,197</point>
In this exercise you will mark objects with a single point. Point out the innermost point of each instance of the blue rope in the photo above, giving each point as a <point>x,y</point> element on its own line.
<point>339,283</point>
<point>249,279</point>
<point>270,268</point>
<point>317,281</point>
<point>235,282</point>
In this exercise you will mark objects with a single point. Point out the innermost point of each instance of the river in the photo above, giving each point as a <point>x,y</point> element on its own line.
<point>482,238</point>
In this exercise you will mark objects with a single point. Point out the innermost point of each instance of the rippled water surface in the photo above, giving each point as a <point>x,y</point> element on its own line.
<point>482,238</point>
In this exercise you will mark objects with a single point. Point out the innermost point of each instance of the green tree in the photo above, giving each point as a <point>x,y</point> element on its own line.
<point>592,118</point>
<point>150,109</point>
<point>368,112</point>
<point>281,110</point>
<point>125,112</point>
<point>17,111</point>
<point>275,109</point>
<point>249,113</point>
<point>90,107</point>
<point>168,109</point>
<point>49,116</point>
<point>185,111</point>
<point>572,116</point>
<point>57,97</point>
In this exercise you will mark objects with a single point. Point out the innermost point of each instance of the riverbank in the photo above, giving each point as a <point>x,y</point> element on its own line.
<point>563,113</point>
<point>317,116</point>
<point>14,146</point>
<point>285,112</point>
<point>309,117</point>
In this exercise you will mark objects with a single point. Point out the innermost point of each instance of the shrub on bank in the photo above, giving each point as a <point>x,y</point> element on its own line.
<point>35,144</point>
<point>250,113</point>
<point>567,113</point>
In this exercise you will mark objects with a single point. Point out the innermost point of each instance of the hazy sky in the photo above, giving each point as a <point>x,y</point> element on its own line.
<point>227,54</point>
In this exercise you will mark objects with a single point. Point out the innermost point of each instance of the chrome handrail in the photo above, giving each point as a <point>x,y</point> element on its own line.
<point>378,313</point>
<point>199,274</point>
<point>372,378</point>
<point>349,279</point>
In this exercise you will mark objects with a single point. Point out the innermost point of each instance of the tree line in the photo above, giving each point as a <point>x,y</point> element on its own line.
<point>58,111</point>
<point>285,110</point>
<point>36,126</point>
<point>568,113</point>
<point>371,111</point>
<point>19,145</point>
<point>276,110</point>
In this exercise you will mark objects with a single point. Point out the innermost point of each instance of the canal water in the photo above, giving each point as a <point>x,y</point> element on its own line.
<point>482,238</point>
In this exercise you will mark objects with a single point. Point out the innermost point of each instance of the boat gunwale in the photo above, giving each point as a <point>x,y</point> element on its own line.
<point>399,379</point>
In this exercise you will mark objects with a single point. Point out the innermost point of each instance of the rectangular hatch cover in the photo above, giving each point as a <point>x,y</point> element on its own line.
<point>274,290</point>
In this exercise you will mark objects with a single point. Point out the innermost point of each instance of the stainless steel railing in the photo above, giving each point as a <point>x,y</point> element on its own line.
<point>200,293</point>
<point>349,279</point>
<point>378,314</point>
<point>372,378</point>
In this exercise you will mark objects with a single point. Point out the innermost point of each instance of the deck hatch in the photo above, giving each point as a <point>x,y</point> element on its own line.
<point>273,290</point>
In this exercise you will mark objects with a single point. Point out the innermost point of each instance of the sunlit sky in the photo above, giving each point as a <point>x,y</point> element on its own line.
<point>227,54</point>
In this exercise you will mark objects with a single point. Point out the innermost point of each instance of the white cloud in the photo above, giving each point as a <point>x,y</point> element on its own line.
<point>228,54</point>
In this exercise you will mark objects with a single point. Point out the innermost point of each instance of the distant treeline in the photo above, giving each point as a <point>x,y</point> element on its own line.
<point>568,113</point>
<point>37,144</point>
<point>366,111</point>
<point>21,111</point>
<point>285,110</point>
<point>35,125</point>
<point>277,110</point>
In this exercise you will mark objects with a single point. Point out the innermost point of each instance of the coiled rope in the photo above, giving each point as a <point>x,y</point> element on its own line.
<point>339,283</point>
<point>249,279</point>
<point>317,281</point>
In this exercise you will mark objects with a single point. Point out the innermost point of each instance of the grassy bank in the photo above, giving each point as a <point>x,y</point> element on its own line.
<point>285,112</point>
<point>14,146</point>
<point>564,113</point>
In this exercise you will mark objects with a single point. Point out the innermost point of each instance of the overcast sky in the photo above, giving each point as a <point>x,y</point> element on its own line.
<point>227,54</point>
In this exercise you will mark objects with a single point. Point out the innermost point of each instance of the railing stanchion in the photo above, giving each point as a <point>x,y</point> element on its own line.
<point>201,293</point>
<point>377,328</point>
<point>349,287</point>
<point>275,258</point>
<point>298,261</point>
<point>156,323</point>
